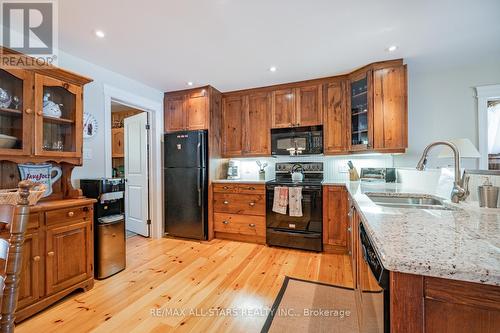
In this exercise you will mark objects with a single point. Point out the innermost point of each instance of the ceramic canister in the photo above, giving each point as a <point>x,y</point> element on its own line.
<point>41,173</point>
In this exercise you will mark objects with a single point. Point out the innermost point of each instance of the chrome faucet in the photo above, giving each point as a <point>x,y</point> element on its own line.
<point>458,193</point>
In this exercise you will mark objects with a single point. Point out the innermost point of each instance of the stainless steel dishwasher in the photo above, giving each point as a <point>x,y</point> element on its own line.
<point>111,246</point>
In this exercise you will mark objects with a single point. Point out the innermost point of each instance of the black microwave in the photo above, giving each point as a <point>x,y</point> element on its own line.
<point>297,141</point>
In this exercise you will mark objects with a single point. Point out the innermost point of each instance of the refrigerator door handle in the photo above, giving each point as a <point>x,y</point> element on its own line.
<point>198,151</point>
<point>198,182</point>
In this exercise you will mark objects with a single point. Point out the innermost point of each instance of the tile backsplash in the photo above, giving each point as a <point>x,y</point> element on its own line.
<point>335,167</point>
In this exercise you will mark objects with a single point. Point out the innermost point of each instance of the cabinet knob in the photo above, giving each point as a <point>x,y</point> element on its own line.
<point>40,113</point>
<point>225,222</point>
<point>252,204</point>
<point>71,214</point>
<point>50,254</point>
<point>225,202</point>
<point>226,188</point>
<point>29,111</point>
<point>113,235</point>
<point>36,258</point>
<point>252,225</point>
<point>251,188</point>
<point>349,229</point>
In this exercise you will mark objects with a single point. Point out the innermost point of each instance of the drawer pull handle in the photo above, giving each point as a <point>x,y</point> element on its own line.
<point>36,258</point>
<point>251,188</point>
<point>50,254</point>
<point>71,214</point>
<point>225,202</point>
<point>252,203</point>
<point>252,225</point>
<point>225,222</point>
<point>226,188</point>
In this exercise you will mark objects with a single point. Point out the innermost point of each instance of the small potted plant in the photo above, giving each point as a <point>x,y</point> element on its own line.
<point>262,171</point>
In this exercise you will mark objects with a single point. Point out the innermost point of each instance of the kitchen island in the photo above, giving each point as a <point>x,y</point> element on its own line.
<point>444,264</point>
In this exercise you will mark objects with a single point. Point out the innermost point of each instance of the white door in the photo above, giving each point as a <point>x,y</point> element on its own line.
<point>136,174</point>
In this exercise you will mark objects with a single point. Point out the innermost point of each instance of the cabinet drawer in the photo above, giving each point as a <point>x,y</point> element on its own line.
<point>68,214</point>
<point>246,204</point>
<point>239,188</point>
<point>34,221</point>
<point>240,224</point>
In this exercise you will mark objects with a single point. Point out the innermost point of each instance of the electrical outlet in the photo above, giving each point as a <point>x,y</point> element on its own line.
<point>87,153</point>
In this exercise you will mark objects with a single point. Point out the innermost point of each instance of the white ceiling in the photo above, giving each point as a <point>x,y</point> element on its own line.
<point>230,44</point>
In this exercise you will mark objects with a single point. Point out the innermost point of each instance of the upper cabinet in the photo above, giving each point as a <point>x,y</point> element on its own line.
<point>335,117</point>
<point>16,111</point>
<point>41,114</point>
<point>378,108</point>
<point>58,106</point>
<point>246,125</point>
<point>390,113</point>
<point>187,110</point>
<point>294,107</point>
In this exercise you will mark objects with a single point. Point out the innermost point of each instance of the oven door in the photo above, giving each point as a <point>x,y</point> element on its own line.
<point>303,232</point>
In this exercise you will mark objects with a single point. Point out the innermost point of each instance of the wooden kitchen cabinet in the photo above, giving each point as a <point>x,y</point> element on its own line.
<point>378,108</point>
<point>246,125</point>
<point>68,255</point>
<point>240,212</point>
<point>37,135</point>
<point>233,108</point>
<point>118,144</point>
<point>187,110</point>
<point>57,254</point>
<point>336,129</point>
<point>175,117</point>
<point>283,108</point>
<point>299,106</point>
<point>335,219</point>
<point>390,114</point>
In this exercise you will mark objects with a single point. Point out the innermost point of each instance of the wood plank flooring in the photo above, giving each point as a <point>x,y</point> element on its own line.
<point>186,286</point>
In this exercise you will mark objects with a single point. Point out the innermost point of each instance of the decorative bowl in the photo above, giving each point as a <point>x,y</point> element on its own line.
<point>7,141</point>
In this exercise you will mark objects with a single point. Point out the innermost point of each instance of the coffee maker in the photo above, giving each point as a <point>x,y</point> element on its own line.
<point>233,169</point>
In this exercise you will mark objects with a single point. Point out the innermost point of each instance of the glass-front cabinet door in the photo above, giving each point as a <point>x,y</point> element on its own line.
<point>16,111</point>
<point>58,106</point>
<point>361,112</point>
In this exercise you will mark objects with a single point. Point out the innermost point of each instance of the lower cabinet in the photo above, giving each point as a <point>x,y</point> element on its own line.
<point>68,254</point>
<point>57,255</point>
<point>335,219</point>
<point>240,212</point>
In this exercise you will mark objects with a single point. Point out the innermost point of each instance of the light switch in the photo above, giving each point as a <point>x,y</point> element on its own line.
<point>87,153</point>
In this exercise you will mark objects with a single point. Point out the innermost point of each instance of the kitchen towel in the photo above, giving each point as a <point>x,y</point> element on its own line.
<point>280,201</point>
<point>295,201</point>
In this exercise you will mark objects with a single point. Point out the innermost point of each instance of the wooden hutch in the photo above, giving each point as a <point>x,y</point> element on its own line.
<point>58,251</point>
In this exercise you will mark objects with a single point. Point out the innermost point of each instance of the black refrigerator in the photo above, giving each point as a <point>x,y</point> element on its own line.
<point>185,162</point>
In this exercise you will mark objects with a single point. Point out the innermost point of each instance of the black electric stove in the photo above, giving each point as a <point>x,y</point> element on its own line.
<point>304,232</point>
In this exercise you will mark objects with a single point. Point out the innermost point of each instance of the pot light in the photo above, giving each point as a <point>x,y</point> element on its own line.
<point>100,33</point>
<point>272,69</point>
<point>392,48</point>
<point>190,83</point>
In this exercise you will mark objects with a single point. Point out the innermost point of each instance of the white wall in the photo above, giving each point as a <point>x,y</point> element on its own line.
<point>441,105</point>
<point>94,104</point>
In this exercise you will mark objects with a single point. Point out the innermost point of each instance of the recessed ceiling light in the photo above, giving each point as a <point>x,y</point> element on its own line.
<point>272,69</point>
<point>392,48</point>
<point>100,33</point>
<point>190,83</point>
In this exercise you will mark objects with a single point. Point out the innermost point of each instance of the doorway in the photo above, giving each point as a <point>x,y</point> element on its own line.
<point>488,113</point>
<point>130,161</point>
<point>494,135</point>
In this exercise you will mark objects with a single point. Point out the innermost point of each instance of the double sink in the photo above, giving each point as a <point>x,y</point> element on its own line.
<point>405,200</point>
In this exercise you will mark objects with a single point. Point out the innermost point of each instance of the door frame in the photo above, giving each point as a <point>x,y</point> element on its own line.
<point>155,117</point>
<point>484,94</point>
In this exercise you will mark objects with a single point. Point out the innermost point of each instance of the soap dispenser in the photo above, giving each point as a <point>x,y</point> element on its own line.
<point>488,194</point>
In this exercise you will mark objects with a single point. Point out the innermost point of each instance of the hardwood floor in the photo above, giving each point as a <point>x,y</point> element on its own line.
<point>165,277</point>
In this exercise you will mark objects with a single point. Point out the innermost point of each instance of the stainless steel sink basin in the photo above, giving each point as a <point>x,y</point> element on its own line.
<point>403,200</point>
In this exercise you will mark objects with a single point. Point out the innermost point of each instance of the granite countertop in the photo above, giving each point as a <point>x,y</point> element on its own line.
<point>239,181</point>
<point>461,244</point>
